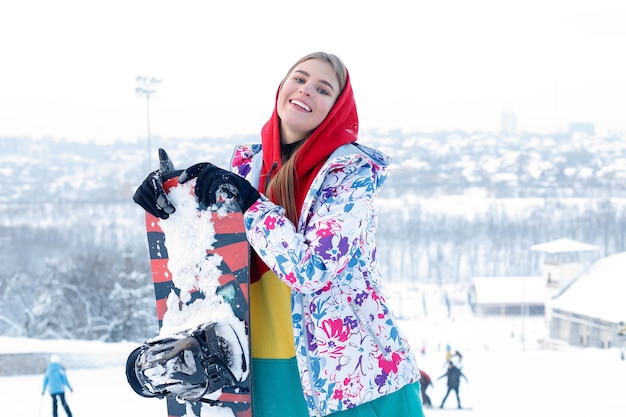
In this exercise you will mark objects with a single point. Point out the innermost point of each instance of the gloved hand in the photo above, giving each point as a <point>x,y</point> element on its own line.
<point>150,194</point>
<point>214,184</point>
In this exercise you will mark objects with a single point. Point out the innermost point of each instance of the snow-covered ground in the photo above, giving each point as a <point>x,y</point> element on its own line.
<point>511,373</point>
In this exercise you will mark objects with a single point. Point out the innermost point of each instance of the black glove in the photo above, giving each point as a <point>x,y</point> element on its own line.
<point>214,184</point>
<point>150,194</point>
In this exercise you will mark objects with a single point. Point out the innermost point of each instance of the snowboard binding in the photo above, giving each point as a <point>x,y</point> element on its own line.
<point>187,365</point>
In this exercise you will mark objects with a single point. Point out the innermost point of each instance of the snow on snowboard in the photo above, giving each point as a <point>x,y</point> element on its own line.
<point>200,361</point>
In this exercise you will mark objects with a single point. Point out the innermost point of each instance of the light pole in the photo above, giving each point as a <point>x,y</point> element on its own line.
<point>146,87</point>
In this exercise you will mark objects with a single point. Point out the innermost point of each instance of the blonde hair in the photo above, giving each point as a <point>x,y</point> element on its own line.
<point>340,69</point>
<point>282,185</point>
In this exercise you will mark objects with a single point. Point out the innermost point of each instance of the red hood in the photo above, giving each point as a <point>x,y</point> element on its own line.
<point>340,127</point>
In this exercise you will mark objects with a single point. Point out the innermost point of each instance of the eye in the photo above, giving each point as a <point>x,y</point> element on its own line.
<point>322,91</point>
<point>298,80</point>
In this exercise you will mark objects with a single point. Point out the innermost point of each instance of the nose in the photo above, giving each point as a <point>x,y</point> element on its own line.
<point>305,89</point>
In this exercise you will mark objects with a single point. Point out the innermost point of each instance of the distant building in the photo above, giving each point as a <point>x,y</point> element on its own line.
<point>507,296</point>
<point>591,311</point>
<point>582,127</point>
<point>508,123</point>
<point>564,261</point>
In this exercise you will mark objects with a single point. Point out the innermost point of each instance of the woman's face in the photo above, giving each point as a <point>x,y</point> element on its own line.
<point>306,97</point>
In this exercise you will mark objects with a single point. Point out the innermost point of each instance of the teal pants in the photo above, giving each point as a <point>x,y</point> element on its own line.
<point>277,392</point>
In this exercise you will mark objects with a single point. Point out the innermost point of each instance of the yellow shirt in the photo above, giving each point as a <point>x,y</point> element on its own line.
<point>271,330</point>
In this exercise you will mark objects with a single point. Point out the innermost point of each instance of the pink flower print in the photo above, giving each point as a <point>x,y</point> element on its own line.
<point>389,365</point>
<point>270,223</point>
<point>328,228</point>
<point>353,386</point>
<point>334,328</point>
<point>238,158</point>
<point>332,343</point>
<point>323,232</point>
<point>290,277</point>
<point>338,394</point>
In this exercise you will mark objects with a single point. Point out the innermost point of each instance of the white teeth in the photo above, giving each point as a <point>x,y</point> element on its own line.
<point>301,104</point>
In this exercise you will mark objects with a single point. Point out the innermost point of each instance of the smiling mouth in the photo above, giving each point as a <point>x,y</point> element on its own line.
<point>300,104</point>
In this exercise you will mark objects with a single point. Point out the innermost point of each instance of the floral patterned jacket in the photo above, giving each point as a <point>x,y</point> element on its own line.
<point>349,349</point>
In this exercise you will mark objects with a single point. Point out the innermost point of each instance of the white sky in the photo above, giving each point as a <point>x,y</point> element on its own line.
<point>68,67</point>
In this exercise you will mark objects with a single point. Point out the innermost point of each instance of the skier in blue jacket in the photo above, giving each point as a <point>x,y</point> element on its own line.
<point>55,380</point>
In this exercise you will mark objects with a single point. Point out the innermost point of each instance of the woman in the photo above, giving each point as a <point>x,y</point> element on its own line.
<point>319,323</point>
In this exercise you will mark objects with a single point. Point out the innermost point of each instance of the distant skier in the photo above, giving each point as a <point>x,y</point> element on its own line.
<point>455,357</point>
<point>454,375</point>
<point>458,358</point>
<point>55,380</point>
<point>425,382</point>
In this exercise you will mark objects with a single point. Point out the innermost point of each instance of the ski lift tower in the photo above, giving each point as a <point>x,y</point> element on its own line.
<point>146,86</point>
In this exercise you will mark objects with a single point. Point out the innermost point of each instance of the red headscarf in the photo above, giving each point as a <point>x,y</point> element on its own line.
<point>340,127</point>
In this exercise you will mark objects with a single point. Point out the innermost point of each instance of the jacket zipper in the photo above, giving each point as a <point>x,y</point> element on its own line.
<point>308,357</point>
<point>368,327</point>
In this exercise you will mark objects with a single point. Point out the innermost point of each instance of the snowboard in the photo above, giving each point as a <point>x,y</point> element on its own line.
<point>200,268</point>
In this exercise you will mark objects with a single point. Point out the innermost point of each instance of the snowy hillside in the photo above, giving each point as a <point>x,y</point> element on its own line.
<point>507,376</point>
<point>457,206</point>
<point>425,165</point>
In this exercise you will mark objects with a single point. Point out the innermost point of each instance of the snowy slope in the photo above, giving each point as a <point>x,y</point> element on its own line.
<point>507,376</point>
<point>599,292</point>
